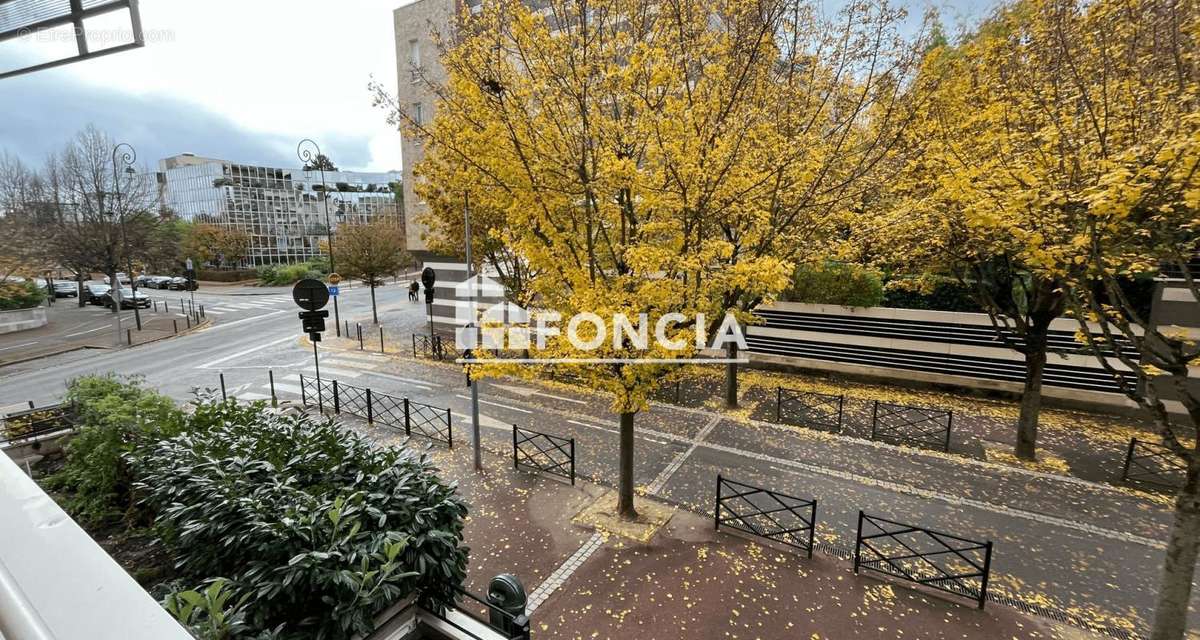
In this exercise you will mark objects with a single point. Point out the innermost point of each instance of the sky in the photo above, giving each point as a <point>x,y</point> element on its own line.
<point>241,80</point>
<point>244,81</point>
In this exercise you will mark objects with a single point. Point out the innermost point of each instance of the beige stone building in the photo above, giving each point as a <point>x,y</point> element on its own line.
<point>417,65</point>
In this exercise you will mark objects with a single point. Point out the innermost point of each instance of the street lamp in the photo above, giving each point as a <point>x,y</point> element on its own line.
<point>310,153</point>
<point>128,157</point>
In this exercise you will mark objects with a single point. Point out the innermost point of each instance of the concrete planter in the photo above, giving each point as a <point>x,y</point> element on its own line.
<point>22,319</point>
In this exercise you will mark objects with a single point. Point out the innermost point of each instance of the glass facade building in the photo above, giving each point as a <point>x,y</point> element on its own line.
<point>281,210</point>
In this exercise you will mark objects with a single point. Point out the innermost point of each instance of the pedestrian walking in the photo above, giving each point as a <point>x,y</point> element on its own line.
<point>413,288</point>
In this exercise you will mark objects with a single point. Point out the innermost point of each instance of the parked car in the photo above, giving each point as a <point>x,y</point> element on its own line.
<point>159,282</point>
<point>122,277</point>
<point>142,280</point>
<point>65,289</point>
<point>96,293</point>
<point>129,299</point>
<point>181,284</point>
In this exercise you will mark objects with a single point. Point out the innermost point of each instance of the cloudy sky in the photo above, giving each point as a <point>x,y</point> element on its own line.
<point>243,80</point>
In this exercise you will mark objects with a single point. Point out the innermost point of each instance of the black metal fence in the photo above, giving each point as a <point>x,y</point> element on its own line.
<point>905,424</point>
<point>543,452</point>
<point>1154,464</point>
<point>809,409</point>
<point>31,423</point>
<point>776,516</point>
<point>940,561</point>
<point>424,346</point>
<point>415,418</point>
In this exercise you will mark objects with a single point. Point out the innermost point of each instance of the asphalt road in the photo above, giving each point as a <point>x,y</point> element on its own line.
<point>1082,548</point>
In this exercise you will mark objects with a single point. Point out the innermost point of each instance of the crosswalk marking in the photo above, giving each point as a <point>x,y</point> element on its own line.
<point>286,388</point>
<point>355,364</point>
<point>330,372</point>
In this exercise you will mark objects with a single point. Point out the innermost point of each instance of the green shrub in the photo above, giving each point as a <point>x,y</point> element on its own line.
<point>116,416</point>
<point>318,528</point>
<point>20,295</point>
<point>843,284</point>
<point>932,293</point>
<point>285,274</point>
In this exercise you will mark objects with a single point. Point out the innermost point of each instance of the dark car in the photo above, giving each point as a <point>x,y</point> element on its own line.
<point>129,299</point>
<point>158,282</point>
<point>96,293</point>
<point>181,284</point>
<point>65,289</point>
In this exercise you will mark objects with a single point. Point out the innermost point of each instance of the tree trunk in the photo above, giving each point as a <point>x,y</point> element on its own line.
<point>1031,404</point>
<point>731,381</point>
<point>374,313</point>
<point>1179,567</point>
<point>114,297</point>
<point>625,508</point>
<point>79,288</point>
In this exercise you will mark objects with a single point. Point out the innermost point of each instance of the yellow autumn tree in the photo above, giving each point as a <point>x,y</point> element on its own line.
<point>1060,160</point>
<point>596,128</point>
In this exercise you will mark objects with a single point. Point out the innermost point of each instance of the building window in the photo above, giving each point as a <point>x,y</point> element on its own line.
<point>418,113</point>
<point>414,59</point>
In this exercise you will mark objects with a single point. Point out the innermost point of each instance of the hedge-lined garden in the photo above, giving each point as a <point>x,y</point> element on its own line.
<point>20,295</point>
<point>274,526</point>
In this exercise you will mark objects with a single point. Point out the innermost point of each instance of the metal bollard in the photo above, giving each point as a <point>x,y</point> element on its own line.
<point>175,323</point>
<point>271,375</point>
<point>381,340</point>
<point>223,395</point>
<point>360,338</point>
<point>189,321</point>
<point>129,337</point>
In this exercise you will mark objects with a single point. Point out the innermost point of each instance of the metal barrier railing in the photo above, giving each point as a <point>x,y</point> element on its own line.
<point>809,409</point>
<point>379,408</point>
<point>905,424</point>
<point>1155,464</point>
<point>543,452</point>
<point>768,514</point>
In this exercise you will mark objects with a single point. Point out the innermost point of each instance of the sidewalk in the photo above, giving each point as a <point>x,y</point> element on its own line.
<point>1061,541</point>
<point>71,328</point>
<point>687,581</point>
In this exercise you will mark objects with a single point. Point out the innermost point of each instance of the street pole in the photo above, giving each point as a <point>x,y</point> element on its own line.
<point>317,365</point>
<point>475,431</point>
<point>127,158</point>
<point>114,292</point>
<point>306,156</point>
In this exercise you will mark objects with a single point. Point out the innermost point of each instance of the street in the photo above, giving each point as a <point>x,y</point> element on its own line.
<point>1060,542</point>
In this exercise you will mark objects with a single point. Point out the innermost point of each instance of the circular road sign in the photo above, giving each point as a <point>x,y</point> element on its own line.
<point>334,278</point>
<point>310,294</point>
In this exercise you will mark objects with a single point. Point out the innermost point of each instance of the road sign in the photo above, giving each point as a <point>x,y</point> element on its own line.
<point>334,278</point>
<point>333,290</point>
<point>310,294</point>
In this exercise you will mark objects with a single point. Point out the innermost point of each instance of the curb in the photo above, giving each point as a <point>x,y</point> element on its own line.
<point>50,354</point>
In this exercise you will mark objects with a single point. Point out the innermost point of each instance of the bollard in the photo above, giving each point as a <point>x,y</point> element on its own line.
<point>360,338</point>
<point>271,375</point>
<point>189,321</point>
<point>224,397</point>
<point>346,331</point>
<point>129,337</point>
<point>381,340</point>
<point>155,303</point>
<point>175,323</point>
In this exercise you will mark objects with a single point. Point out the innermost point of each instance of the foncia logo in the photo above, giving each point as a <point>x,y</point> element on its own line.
<point>502,325</point>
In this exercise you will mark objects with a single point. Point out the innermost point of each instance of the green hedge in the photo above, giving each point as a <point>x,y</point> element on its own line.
<point>285,274</point>
<point>233,275</point>
<point>843,284</point>
<point>20,295</point>
<point>289,527</point>
<point>930,294</point>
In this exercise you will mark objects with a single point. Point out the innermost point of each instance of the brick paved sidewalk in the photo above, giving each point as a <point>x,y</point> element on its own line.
<point>688,581</point>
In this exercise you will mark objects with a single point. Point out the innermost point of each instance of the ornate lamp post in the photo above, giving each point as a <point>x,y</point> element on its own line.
<point>310,153</point>
<point>127,158</point>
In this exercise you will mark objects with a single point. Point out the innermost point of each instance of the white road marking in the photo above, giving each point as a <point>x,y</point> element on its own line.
<point>23,344</point>
<point>260,347</point>
<point>72,335</point>
<point>497,404</point>
<point>484,421</point>
<point>334,372</point>
<point>249,395</point>
<point>416,383</point>
<point>532,392</point>
<point>643,436</point>
<point>235,323</point>
<point>286,388</point>
<point>214,312</point>
<point>338,362</point>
